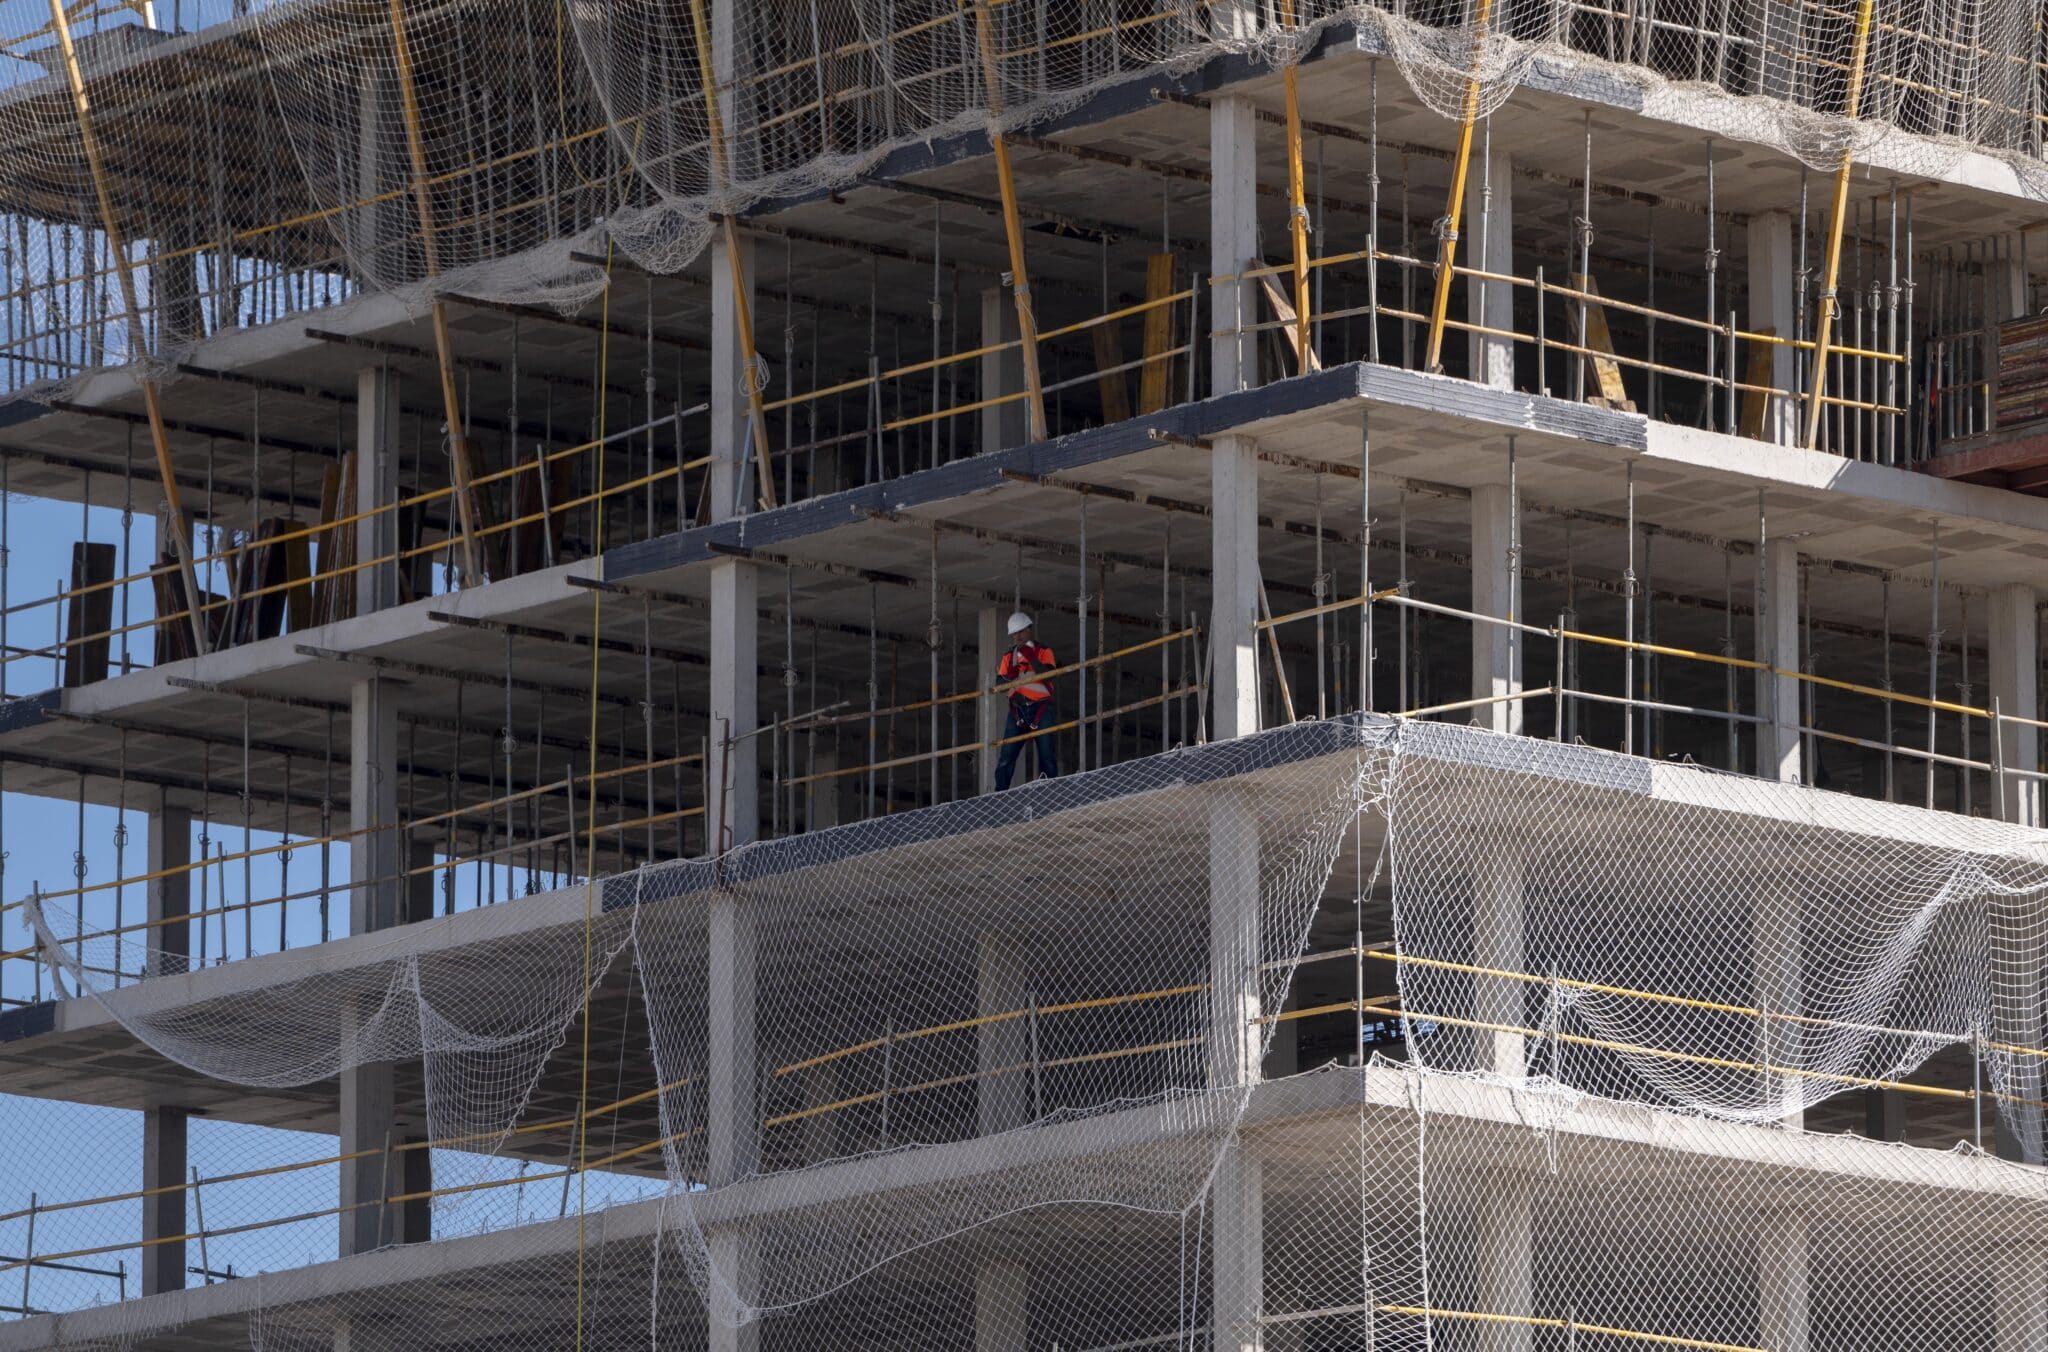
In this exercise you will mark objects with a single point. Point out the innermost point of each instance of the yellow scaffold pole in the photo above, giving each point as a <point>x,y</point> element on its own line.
<point>1027,325</point>
<point>1824,331</point>
<point>444,351</point>
<point>1297,199</point>
<point>1447,247</point>
<point>138,345</point>
<point>743,311</point>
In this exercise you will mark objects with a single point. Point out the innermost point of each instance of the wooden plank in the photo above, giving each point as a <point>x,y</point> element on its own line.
<point>1755,403</point>
<point>298,567</point>
<point>1155,377</point>
<point>1606,371</point>
<point>1283,310</point>
<point>1114,384</point>
<point>330,494</point>
<point>88,616</point>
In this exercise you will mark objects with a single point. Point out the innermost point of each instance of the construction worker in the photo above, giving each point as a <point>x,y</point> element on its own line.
<point>1030,703</point>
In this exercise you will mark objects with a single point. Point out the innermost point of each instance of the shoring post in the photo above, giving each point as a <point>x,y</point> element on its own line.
<point>29,1262</point>
<point>1297,197</point>
<point>1447,243</point>
<point>1997,760</point>
<point>1558,698</point>
<point>117,244</point>
<point>444,351</point>
<point>1013,229</point>
<point>199,1229</point>
<point>1823,332</point>
<point>743,310</point>
<point>1037,1071</point>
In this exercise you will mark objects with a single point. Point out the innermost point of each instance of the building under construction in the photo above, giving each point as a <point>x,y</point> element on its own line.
<point>510,517</point>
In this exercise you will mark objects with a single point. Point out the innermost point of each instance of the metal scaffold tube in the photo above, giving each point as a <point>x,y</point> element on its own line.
<point>117,245</point>
<point>1823,331</point>
<point>459,448</point>
<point>1447,243</point>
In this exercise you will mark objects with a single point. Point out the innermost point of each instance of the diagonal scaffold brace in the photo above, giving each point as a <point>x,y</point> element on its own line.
<point>117,244</point>
<point>459,447</point>
<point>743,312</point>
<point>1824,324</point>
<point>1013,227</point>
<point>1447,244</point>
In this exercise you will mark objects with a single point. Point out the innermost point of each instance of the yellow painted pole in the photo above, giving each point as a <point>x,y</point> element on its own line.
<point>1013,227</point>
<point>1447,247</point>
<point>444,352</point>
<point>1297,211</point>
<point>743,311</point>
<point>1824,332</point>
<point>138,345</point>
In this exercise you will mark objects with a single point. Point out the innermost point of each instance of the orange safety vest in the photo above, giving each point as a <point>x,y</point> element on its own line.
<point>1024,660</point>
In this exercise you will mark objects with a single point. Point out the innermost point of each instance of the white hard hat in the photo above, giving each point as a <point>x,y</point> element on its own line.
<point>1019,622</point>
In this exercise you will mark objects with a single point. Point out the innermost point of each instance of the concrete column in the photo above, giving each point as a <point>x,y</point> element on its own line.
<point>2015,684</point>
<point>163,1213</point>
<point>2017,955</point>
<point>1233,243</point>
<point>376,487</point>
<point>1002,372</point>
<point>1237,1199</point>
<point>1783,1313</point>
<point>1002,985</point>
<point>1777,644</point>
<point>2019,1311</point>
<point>1506,1270</point>
<point>1499,921</point>
<point>1002,1313</point>
<point>1234,583</point>
<point>169,847</point>
<point>734,1119</point>
<point>369,1121</point>
<point>1777,959</point>
<point>990,643</point>
<point>1235,1043</point>
<point>1496,656</point>
<point>822,796</point>
<point>1773,291</point>
<point>2005,284</point>
<point>1491,226</point>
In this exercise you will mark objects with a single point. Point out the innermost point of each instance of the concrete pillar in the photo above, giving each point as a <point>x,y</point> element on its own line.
<point>2016,950</point>
<point>734,1119</point>
<point>1237,1199</point>
<point>1236,1041</point>
<point>2005,286</point>
<point>369,1122</point>
<point>2019,1312</point>
<point>1002,372</point>
<point>1777,959</point>
<point>1777,644</point>
<point>990,643</point>
<point>169,848</point>
<point>1234,583</point>
<point>1506,1268</point>
<point>1002,1313</point>
<point>1233,243</point>
<point>1773,292</point>
<point>1002,985</point>
<point>1783,1306</point>
<point>1496,656</point>
<point>1499,920</point>
<point>822,796</point>
<point>1490,224</point>
<point>377,487</point>
<point>2015,684</point>
<point>164,1166</point>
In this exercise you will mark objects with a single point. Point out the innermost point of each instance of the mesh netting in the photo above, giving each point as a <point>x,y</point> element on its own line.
<point>1066,1024</point>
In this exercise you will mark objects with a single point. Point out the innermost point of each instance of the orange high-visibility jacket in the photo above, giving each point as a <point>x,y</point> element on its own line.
<point>1024,660</point>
